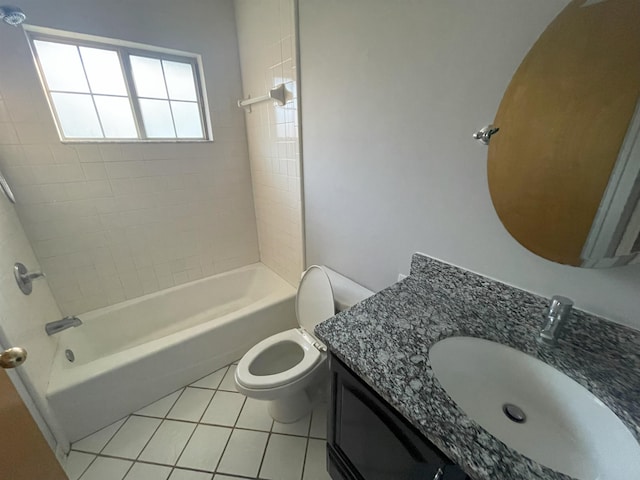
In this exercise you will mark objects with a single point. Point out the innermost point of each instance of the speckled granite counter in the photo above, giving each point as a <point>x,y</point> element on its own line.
<point>386,341</point>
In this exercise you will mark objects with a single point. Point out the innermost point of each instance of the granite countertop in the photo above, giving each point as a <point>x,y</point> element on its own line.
<point>386,340</point>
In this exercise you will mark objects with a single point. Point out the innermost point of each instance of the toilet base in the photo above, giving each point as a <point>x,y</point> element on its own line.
<point>291,408</point>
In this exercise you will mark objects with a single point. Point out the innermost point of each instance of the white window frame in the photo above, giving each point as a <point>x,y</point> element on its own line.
<point>124,50</point>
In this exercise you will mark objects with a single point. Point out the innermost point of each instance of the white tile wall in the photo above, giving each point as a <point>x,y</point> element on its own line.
<point>22,318</point>
<point>266,36</point>
<point>111,222</point>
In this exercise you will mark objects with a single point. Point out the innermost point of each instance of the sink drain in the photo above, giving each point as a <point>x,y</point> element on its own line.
<point>514,413</point>
<point>69,354</point>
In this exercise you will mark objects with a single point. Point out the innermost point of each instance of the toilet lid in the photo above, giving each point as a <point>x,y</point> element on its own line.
<point>314,301</point>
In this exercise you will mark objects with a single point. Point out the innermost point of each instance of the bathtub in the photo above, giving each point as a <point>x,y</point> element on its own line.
<point>133,353</point>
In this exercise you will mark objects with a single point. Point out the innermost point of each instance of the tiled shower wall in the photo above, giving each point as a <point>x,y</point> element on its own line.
<point>266,37</point>
<point>112,222</point>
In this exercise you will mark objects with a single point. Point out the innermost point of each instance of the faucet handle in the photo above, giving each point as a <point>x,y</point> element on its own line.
<point>24,279</point>
<point>560,306</point>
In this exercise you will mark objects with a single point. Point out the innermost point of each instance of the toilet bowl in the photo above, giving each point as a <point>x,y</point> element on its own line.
<point>289,369</point>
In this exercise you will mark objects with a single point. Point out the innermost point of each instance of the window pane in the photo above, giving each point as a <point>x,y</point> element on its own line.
<point>187,119</point>
<point>116,117</point>
<point>179,80</point>
<point>157,118</point>
<point>148,77</point>
<point>77,115</point>
<point>103,70</point>
<point>62,66</point>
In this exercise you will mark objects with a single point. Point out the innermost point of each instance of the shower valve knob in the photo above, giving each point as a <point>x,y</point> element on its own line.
<point>24,279</point>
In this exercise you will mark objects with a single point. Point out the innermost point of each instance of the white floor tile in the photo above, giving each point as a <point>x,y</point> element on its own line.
<point>224,477</point>
<point>96,441</point>
<point>189,475</point>
<point>161,407</point>
<point>284,458</point>
<point>315,465</point>
<point>145,471</point>
<point>167,443</point>
<point>243,453</point>
<point>191,404</point>
<point>212,380</point>
<point>107,469</point>
<point>300,428</point>
<point>205,448</point>
<point>228,382</point>
<point>224,408</point>
<point>132,437</point>
<point>254,416</point>
<point>77,463</point>
<point>319,421</point>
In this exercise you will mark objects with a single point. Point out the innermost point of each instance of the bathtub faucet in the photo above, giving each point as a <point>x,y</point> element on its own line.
<point>59,325</point>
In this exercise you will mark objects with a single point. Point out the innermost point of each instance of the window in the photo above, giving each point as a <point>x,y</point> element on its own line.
<point>106,90</point>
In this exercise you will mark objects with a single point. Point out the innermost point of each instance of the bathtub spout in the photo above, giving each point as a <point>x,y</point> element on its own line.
<point>67,322</point>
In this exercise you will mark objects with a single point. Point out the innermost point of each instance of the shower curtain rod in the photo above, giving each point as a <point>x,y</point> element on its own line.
<point>278,94</point>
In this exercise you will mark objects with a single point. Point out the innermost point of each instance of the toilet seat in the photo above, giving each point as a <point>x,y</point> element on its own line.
<point>314,300</point>
<point>310,357</point>
<point>314,304</point>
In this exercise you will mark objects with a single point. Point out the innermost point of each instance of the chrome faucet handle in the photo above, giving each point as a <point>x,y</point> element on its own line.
<point>560,307</point>
<point>555,317</point>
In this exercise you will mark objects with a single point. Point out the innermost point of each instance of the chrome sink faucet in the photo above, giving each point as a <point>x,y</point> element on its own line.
<point>59,325</point>
<point>555,317</point>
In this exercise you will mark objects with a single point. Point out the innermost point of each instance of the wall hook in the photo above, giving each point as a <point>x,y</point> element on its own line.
<point>484,134</point>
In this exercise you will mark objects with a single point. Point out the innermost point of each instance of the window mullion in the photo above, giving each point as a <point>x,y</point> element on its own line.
<point>166,88</point>
<point>93,101</point>
<point>133,94</point>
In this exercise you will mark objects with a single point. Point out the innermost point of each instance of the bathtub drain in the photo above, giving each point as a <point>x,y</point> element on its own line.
<point>69,354</point>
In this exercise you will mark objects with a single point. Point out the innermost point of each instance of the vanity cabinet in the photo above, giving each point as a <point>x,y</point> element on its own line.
<point>368,440</point>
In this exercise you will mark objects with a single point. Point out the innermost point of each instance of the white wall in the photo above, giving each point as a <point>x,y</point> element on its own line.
<point>22,318</point>
<point>266,38</point>
<point>112,222</point>
<point>391,93</point>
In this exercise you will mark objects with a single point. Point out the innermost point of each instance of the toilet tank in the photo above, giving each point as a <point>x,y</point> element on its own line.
<point>346,292</point>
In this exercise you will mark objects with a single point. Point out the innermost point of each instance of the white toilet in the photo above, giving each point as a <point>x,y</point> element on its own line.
<point>289,369</point>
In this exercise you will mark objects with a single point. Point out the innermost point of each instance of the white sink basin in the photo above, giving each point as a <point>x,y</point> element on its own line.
<point>566,428</point>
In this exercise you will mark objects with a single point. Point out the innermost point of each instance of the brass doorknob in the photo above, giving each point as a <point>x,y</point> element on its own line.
<point>13,357</point>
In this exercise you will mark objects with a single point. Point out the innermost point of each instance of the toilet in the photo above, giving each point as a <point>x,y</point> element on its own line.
<point>289,369</point>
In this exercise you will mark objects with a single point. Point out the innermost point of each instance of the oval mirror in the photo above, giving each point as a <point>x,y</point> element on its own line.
<point>564,170</point>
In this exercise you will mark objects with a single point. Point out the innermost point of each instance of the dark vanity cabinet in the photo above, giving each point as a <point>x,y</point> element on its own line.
<point>368,440</point>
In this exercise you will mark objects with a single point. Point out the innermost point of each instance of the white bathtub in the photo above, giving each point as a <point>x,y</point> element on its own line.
<point>130,354</point>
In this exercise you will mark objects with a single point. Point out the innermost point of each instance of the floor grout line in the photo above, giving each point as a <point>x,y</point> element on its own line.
<point>103,447</point>
<point>264,454</point>
<point>307,437</point>
<point>306,452</point>
<point>229,438</point>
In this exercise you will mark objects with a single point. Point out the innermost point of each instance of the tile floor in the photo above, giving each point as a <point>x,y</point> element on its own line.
<point>206,431</point>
